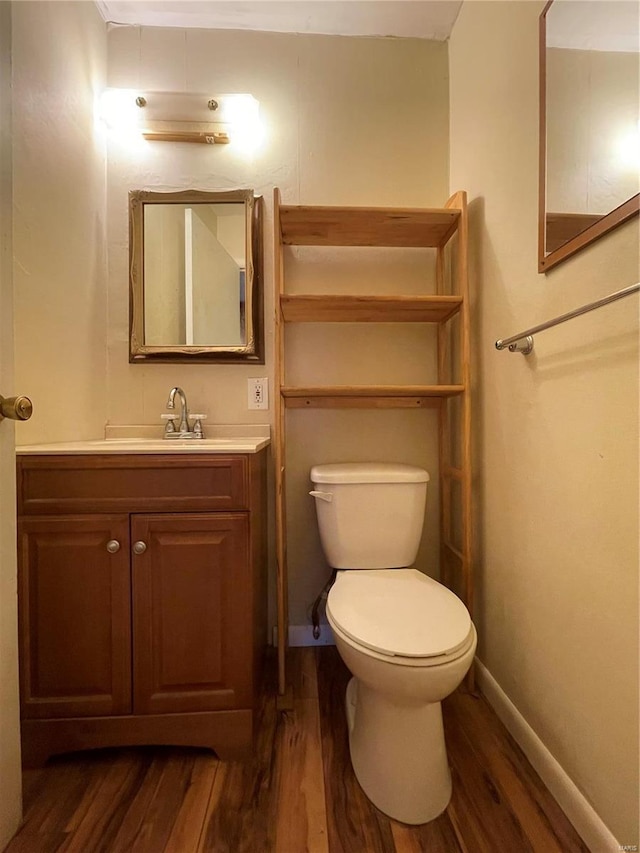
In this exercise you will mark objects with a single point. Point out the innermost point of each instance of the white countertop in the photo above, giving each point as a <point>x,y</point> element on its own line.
<point>221,438</point>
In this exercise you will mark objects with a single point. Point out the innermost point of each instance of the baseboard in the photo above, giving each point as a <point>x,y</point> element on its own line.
<point>302,635</point>
<point>587,823</point>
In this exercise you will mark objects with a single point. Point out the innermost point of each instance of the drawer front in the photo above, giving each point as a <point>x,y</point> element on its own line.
<point>50,485</point>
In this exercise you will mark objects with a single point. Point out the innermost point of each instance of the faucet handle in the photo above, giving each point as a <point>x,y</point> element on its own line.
<point>197,425</point>
<point>170,426</point>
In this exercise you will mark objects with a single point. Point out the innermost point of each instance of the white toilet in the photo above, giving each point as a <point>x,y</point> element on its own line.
<point>407,640</point>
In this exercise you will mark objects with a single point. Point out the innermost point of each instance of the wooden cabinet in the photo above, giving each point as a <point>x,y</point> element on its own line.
<point>147,625</point>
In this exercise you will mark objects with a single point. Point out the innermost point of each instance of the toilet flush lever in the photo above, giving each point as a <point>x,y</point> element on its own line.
<point>323,496</point>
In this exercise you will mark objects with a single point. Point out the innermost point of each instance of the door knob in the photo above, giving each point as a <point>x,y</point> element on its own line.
<point>17,408</point>
<point>139,547</point>
<point>113,546</point>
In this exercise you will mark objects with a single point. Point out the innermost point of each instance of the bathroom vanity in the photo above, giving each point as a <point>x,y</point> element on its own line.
<point>142,595</point>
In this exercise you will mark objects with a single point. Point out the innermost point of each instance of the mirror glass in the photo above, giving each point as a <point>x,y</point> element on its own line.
<point>589,123</point>
<point>195,276</point>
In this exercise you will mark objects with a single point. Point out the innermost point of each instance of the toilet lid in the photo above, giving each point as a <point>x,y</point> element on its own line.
<point>398,612</point>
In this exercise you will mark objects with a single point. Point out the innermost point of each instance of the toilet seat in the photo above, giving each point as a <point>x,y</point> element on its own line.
<point>401,614</point>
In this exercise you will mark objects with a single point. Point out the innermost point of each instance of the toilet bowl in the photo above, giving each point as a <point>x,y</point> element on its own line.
<point>407,640</point>
<point>396,739</point>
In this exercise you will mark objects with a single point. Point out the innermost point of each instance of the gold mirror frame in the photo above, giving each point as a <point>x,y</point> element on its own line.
<point>596,229</point>
<point>253,350</point>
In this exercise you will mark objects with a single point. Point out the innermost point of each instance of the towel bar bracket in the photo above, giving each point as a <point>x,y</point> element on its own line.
<point>523,345</point>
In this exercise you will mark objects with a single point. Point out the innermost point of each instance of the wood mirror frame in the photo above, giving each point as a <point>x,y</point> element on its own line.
<point>596,226</point>
<point>252,349</point>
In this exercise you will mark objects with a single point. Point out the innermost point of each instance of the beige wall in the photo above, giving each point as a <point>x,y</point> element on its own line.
<point>556,433</point>
<point>10,781</point>
<point>59,67</point>
<point>347,121</point>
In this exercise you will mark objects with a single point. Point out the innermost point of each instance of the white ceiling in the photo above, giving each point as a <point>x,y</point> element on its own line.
<point>612,25</point>
<point>427,19</point>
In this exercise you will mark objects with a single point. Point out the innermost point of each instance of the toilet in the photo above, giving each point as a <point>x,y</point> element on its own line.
<point>407,640</point>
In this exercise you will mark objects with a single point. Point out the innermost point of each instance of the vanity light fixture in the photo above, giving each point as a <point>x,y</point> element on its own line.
<point>181,116</point>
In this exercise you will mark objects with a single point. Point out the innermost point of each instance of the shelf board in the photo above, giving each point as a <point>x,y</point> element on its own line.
<point>367,396</point>
<point>367,226</point>
<point>299,308</point>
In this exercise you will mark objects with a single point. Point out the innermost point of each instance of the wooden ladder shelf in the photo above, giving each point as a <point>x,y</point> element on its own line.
<point>446,230</point>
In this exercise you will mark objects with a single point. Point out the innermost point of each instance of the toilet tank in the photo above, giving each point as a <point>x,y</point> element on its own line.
<point>370,514</point>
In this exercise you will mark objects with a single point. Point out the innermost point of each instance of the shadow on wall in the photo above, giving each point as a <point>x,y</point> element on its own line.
<point>576,360</point>
<point>476,277</point>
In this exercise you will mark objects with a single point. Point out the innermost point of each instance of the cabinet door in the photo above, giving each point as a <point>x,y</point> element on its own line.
<point>192,612</point>
<point>75,616</point>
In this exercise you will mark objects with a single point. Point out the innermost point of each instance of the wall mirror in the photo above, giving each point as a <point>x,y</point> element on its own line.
<point>589,123</point>
<point>195,262</point>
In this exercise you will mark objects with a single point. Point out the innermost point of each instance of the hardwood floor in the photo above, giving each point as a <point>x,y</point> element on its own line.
<point>298,793</point>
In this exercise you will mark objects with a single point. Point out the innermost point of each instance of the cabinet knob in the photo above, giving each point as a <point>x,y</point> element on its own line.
<point>139,547</point>
<point>113,546</point>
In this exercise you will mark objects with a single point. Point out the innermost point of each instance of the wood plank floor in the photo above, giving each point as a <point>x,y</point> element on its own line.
<point>298,793</point>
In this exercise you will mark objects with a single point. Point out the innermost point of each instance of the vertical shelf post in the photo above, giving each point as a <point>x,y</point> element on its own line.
<point>461,283</point>
<point>282,590</point>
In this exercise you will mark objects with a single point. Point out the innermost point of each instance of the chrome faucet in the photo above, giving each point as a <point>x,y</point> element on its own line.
<point>184,412</point>
<point>185,430</point>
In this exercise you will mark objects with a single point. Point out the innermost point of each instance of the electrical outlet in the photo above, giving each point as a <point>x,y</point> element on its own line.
<point>258,390</point>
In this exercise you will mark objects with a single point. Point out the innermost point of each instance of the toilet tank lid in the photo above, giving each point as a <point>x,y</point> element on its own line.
<point>368,472</point>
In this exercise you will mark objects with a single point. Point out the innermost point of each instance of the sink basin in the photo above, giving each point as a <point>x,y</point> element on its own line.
<point>233,443</point>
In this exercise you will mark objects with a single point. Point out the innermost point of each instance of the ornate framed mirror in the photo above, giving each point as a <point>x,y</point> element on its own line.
<point>589,123</point>
<point>195,276</point>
